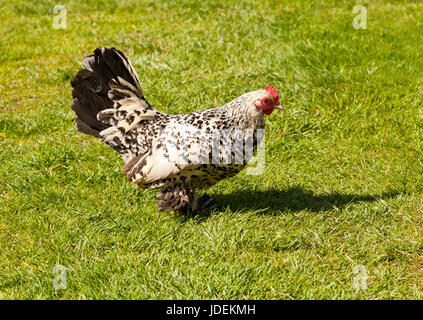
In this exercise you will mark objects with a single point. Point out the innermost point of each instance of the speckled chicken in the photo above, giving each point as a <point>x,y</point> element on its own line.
<point>176,153</point>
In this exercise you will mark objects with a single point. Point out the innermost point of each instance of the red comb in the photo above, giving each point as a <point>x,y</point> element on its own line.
<point>274,93</point>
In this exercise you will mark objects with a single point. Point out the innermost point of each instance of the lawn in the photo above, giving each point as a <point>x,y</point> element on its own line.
<point>339,202</point>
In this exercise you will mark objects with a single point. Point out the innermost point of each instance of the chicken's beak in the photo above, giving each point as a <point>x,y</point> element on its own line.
<point>279,107</point>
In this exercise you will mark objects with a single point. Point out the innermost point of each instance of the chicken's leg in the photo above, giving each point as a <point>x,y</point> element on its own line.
<point>206,204</point>
<point>182,199</point>
<point>179,199</point>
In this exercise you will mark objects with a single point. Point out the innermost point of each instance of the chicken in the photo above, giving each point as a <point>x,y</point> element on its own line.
<point>177,153</point>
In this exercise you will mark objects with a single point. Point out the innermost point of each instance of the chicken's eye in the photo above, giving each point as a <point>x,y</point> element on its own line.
<point>266,101</point>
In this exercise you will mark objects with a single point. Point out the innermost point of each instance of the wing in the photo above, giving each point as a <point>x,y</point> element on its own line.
<point>190,154</point>
<point>178,148</point>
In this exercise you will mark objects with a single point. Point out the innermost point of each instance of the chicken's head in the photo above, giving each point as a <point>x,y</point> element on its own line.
<point>268,101</point>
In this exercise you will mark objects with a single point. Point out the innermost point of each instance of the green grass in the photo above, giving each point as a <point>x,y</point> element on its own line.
<point>343,183</point>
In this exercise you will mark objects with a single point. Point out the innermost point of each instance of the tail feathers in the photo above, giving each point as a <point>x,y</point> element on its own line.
<point>108,64</point>
<point>108,83</point>
<point>85,128</point>
<point>89,99</point>
<point>128,109</point>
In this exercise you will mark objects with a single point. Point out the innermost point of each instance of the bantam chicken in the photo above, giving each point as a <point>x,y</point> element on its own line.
<point>177,153</point>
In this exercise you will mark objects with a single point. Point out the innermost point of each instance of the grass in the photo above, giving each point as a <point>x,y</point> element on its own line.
<point>343,182</point>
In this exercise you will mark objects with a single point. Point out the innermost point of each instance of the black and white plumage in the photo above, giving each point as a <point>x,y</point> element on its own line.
<point>171,152</point>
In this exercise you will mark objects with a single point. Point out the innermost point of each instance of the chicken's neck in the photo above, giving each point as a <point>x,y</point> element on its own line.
<point>242,116</point>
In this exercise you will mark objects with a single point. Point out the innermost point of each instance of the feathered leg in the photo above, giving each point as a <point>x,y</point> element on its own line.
<point>182,199</point>
<point>179,199</point>
<point>206,204</point>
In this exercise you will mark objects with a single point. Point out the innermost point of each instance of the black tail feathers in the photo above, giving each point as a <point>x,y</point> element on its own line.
<point>92,84</point>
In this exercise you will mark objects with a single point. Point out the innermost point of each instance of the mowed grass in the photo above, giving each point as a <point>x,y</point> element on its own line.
<point>342,186</point>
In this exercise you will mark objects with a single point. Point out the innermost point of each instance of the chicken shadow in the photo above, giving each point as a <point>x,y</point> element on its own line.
<point>296,198</point>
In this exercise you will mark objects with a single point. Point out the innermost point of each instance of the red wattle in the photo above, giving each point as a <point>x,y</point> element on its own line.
<point>267,111</point>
